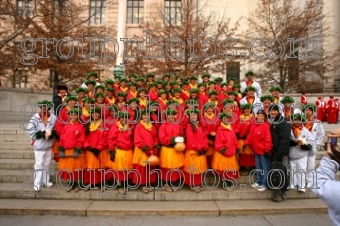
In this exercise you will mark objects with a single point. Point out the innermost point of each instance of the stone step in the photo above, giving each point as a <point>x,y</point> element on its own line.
<point>240,192</point>
<point>21,164</point>
<point>15,145</point>
<point>14,138</point>
<point>158,208</point>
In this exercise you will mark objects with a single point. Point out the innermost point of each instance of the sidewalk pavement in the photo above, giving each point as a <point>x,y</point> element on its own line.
<point>270,220</point>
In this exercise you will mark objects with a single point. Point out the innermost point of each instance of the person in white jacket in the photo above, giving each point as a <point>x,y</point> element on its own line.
<point>251,82</point>
<point>300,145</point>
<point>318,133</point>
<point>252,99</point>
<point>41,133</point>
<point>327,187</point>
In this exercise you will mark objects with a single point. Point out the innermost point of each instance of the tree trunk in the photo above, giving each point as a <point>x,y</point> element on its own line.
<point>56,80</point>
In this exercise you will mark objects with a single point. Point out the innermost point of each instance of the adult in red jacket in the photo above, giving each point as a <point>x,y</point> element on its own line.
<point>72,160</point>
<point>225,161</point>
<point>195,154</point>
<point>332,110</point>
<point>146,143</point>
<point>210,123</point>
<point>120,150</point>
<point>169,159</point>
<point>260,141</point>
<point>95,145</point>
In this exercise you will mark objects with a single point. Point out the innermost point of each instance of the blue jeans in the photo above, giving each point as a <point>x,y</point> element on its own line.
<point>262,164</point>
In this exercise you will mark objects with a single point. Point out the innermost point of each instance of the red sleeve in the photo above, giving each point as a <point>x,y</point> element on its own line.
<point>139,140</point>
<point>164,137</point>
<point>268,138</point>
<point>219,140</point>
<point>155,135</point>
<point>103,140</point>
<point>192,141</point>
<point>61,121</point>
<point>112,137</point>
<point>81,136</point>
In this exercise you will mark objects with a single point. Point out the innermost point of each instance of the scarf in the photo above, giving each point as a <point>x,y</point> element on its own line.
<point>180,101</point>
<point>209,116</point>
<point>146,125</point>
<point>121,127</point>
<point>163,101</point>
<point>297,130</point>
<point>250,100</point>
<point>142,102</point>
<point>226,126</point>
<point>111,100</point>
<point>134,93</point>
<point>124,89</point>
<point>249,83</point>
<point>95,125</point>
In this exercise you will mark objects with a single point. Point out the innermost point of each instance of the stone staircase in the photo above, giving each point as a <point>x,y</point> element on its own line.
<point>17,161</point>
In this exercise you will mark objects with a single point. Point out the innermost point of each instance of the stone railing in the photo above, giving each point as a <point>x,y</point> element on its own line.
<point>13,101</point>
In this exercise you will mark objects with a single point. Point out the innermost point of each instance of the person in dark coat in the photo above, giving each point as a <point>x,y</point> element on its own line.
<point>59,96</point>
<point>280,132</point>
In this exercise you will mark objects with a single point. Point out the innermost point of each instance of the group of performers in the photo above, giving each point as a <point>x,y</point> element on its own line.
<point>120,125</point>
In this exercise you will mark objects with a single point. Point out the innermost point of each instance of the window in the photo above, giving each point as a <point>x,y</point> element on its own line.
<point>63,6</point>
<point>25,8</point>
<point>21,78</point>
<point>172,12</point>
<point>135,11</point>
<point>97,11</point>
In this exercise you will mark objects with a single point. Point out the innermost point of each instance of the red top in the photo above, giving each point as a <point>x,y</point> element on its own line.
<point>196,140</point>
<point>245,125</point>
<point>73,136</point>
<point>226,138</point>
<point>120,137</point>
<point>260,138</point>
<point>169,130</point>
<point>97,138</point>
<point>144,136</point>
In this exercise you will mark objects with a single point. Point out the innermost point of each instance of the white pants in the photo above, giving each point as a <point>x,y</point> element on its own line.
<point>42,166</point>
<point>299,177</point>
<point>311,177</point>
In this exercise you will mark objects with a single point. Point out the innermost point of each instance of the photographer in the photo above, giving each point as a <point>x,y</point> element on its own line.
<point>328,190</point>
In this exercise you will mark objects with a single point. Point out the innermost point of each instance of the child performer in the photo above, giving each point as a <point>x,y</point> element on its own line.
<point>300,145</point>
<point>195,155</point>
<point>210,123</point>
<point>72,162</point>
<point>95,145</point>
<point>120,150</point>
<point>226,145</point>
<point>247,158</point>
<point>169,158</point>
<point>146,143</point>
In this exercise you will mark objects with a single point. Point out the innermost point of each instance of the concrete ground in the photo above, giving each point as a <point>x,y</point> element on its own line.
<point>271,220</point>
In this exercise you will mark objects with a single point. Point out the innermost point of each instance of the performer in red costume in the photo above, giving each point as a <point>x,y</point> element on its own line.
<point>247,158</point>
<point>321,109</point>
<point>210,123</point>
<point>120,150</point>
<point>303,98</point>
<point>226,145</point>
<point>169,159</point>
<point>72,158</point>
<point>95,145</point>
<point>195,154</point>
<point>146,143</point>
<point>332,111</point>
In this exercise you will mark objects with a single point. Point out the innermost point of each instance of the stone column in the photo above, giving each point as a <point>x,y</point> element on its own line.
<point>121,29</point>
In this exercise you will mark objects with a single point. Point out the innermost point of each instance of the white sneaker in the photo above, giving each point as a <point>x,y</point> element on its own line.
<point>37,188</point>
<point>302,190</point>
<point>261,188</point>
<point>291,187</point>
<point>48,184</point>
<point>255,185</point>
